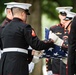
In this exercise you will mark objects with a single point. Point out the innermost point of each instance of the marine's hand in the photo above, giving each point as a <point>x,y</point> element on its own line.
<point>55,38</point>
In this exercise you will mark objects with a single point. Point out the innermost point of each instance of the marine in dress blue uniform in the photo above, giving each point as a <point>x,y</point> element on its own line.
<point>16,38</point>
<point>7,20</point>
<point>68,21</point>
<point>59,30</point>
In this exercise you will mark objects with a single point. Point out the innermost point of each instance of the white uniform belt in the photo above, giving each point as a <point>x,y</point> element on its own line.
<point>15,50</point>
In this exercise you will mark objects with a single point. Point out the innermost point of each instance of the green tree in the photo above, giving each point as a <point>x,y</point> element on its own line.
<point>49,7</point>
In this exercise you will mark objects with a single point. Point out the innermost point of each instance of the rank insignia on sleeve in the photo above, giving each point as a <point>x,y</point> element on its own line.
<point>33,33</point>
<point>58,33</point>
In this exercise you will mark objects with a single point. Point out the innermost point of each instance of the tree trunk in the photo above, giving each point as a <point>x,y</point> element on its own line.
<point>35,18</point>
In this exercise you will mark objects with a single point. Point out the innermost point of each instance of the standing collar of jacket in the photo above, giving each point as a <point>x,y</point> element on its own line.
<point>18,19</point>
<point>7,19</point>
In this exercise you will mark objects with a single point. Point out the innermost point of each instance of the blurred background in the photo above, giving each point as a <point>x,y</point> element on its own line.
<point>43,14</point>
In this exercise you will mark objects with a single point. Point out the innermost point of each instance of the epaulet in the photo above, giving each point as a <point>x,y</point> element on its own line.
<point>54,26</point>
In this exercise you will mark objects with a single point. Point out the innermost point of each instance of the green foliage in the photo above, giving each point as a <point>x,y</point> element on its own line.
<point>48,7</point>
<point>2,8</point>
<point>64,2</point>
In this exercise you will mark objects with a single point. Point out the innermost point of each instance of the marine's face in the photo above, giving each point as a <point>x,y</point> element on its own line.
<point>67,23</point>
<point>62,21</point>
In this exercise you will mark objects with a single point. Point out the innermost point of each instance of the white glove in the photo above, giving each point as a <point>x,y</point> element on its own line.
<point>55,38</point>
<point>59,42</point>
<point>38,53</point>
<point>31,67</point>
<point>49,72</point>
<point>35,59</point>
<point>64,60</point>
